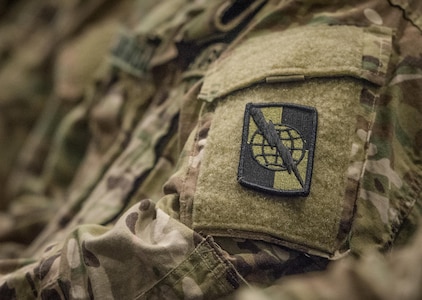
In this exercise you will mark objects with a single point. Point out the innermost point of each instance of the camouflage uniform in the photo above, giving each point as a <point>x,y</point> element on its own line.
<point>40,41</point>
<point>174,89</point>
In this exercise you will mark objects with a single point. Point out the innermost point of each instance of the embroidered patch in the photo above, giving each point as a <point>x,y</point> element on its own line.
<point>277,148</point>
<point>133,53</point>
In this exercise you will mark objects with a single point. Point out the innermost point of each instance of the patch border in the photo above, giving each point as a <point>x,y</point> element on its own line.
<point>304,192</point>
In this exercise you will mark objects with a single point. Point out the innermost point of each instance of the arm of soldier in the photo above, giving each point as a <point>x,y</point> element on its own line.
<point>397,275</point>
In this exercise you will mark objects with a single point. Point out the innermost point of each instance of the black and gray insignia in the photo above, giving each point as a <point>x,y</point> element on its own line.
<point>277,150</point>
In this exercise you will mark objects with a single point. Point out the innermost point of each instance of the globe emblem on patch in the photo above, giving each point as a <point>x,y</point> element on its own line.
<point>277,150</point>
<point>268,156</point>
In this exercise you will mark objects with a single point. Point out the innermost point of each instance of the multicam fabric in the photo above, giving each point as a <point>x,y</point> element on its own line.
<point>130,165</point>
<point>371,277</point>
<point>38,50</point>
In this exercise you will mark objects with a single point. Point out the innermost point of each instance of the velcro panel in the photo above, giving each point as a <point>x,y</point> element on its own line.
<point>222,206</point>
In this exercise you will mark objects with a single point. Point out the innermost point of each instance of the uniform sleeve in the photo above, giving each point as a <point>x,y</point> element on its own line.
<point>146,255</point>
<point>374,276</point>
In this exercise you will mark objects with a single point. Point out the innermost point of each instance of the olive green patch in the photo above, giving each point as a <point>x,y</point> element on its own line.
<point>326,67</point>
<point>277,148</point>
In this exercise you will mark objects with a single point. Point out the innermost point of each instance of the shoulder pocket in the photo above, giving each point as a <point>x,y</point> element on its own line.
<point>288,77</point>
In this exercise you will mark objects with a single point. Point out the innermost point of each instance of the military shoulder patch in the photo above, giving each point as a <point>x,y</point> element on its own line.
<point>277,150</point>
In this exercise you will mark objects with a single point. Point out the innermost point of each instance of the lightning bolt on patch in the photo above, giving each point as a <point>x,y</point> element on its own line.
<point>277,150</point>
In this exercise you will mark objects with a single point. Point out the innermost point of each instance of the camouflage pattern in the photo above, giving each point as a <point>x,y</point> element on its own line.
<point>32,35</point>
<point>374,276</point>
<point>138,123</point>
<point>37,177</point>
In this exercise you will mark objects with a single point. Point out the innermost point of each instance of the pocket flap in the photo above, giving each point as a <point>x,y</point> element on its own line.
<point>314,51</point>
